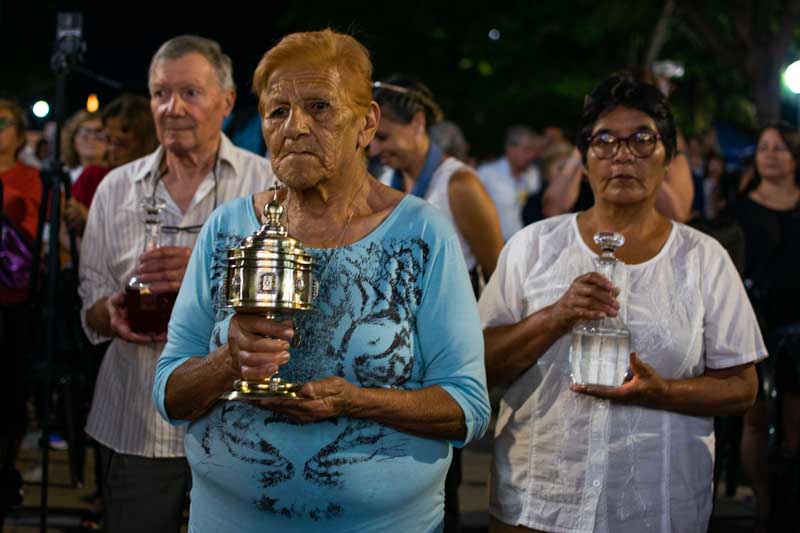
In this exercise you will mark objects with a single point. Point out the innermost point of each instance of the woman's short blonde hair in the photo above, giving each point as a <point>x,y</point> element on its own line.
<point>326,48</point>
<point>68,152</point>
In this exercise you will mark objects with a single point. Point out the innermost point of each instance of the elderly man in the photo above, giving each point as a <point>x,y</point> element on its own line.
<point>195,169</point>
<point>512,178</point>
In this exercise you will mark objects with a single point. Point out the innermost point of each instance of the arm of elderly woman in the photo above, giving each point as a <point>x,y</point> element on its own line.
<point>674,199</point>
<point>718,392</point>
<point>449,400</point>
<point>199,382</point>
<point>428,412</point>
<point>475,215</point>
<point>511,349</point>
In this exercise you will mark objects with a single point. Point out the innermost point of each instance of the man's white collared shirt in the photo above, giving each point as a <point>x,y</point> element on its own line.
<point>122,415</point>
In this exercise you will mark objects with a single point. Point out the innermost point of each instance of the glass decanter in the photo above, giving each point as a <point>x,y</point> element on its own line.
<point>149,312</point>
<point>600,350</point>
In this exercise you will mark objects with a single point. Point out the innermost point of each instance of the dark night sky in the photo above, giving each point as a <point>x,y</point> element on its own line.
<point>423,38</point>
<point>121,38</point>
<point>537,74</point>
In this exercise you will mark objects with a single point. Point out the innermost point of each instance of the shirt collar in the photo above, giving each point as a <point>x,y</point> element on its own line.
<point>226,154</point>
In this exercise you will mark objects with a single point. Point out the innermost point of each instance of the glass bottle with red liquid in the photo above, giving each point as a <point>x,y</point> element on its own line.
<point>149,312</point>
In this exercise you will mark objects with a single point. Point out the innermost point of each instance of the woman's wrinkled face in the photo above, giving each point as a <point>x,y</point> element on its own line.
<point>626,177</point>
<point>309,126</point>
<point>774,160</point>
<point>394,143</point>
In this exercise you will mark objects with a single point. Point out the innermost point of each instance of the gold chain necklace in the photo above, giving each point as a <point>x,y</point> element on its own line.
<point>322,277</point>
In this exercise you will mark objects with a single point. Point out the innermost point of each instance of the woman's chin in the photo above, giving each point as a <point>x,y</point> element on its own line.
<point>298,176</point>
<point>625,197</point>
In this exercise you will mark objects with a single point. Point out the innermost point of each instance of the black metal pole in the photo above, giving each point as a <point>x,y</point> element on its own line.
<point>53,170</point>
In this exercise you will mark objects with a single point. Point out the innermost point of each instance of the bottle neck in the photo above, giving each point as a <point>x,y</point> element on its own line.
<point>605,265</point>
<point>152,233</point>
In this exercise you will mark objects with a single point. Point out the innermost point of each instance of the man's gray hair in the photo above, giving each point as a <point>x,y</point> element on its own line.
<point>515,134</point>
<point>182,45</point>
<point>449,137</point>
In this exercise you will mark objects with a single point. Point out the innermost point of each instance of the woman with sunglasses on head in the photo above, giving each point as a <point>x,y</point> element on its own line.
<point>403,143</point>
<point>637,457</point>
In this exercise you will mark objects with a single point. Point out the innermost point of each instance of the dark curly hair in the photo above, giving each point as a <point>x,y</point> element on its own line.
<point>623,90</point>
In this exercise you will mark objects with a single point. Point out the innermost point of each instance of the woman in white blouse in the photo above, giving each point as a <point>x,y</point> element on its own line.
<point>637,457</point>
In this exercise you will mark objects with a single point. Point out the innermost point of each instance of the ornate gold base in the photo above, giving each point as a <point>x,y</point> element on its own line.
<point>271,388</point>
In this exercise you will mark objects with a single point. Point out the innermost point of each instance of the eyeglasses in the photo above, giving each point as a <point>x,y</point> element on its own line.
<point>641,144</point>
<point>96,133</point>
<point>6,123</point>
<point>172,230</point>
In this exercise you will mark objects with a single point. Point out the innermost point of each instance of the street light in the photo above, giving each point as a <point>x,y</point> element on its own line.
<point>791,78</point>
<point>41,109</point>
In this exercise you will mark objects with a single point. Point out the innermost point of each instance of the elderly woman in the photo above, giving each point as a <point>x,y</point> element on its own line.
<point>420,167</point>
<point>638,457</point>
<point>391,357</point>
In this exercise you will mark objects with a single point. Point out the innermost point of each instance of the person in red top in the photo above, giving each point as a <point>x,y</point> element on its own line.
<point>22,188</point>
<point>131,134</point>
<point>22,191</point>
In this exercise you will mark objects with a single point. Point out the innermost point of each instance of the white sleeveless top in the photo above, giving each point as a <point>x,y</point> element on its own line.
<point>437,195</point>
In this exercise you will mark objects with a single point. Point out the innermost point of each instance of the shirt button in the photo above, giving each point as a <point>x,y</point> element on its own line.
<point>596,483</point>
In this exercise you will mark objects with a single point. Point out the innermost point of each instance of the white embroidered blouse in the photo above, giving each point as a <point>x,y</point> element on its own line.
<point>573,463</point>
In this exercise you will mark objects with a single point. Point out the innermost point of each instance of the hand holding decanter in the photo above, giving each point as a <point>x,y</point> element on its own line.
<point>600,349</point>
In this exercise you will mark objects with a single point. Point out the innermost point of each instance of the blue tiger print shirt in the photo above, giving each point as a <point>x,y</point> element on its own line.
<point>394,310</point>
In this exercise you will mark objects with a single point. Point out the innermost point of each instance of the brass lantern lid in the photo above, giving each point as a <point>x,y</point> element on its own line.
<point>272,240</point>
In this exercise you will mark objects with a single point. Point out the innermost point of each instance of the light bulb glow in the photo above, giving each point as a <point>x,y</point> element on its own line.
<point>791,77</point>
<point>41,109</point>
<point>92,103</point>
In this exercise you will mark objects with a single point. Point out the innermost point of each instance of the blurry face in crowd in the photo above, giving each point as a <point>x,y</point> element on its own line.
<point>123,146</point>
<point>695,147</point>
<point>397,144</point>
<point>90,141</point>
<point>188,103</point>
<point>521,154</point>
<point>774,161</point>
<point>716,167</point>
<point>625,178</point>
<point>310,128</point>
<point>10,139</point>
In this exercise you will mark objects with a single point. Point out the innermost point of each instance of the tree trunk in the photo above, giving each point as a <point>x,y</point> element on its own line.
<point>765,87</point>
